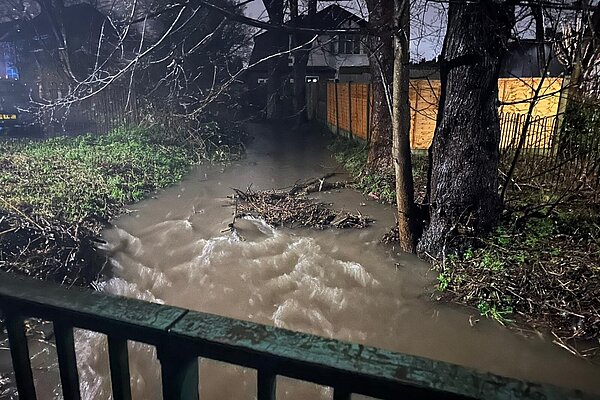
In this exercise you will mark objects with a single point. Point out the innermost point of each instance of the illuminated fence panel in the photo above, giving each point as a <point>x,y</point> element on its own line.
<point>350,114</point>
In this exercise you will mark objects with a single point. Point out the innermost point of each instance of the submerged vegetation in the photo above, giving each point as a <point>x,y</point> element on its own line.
<point>538,269</point>
<point>542,271</point>
<point>57,194</point>
<point>352,155</point>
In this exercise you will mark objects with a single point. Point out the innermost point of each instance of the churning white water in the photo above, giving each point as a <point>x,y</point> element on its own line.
<point>336,283</point>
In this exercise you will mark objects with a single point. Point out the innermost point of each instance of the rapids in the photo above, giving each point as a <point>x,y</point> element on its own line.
<point>336,283</point>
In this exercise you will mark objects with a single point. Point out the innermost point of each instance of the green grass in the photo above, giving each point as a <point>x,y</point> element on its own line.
<point>78,178</point>
<point>542,271</point>
<point>352,155</point>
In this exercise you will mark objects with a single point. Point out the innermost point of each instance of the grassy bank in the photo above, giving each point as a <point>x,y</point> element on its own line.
<point>57,194</point>
<point>352,155</point>
<point>541,272</point>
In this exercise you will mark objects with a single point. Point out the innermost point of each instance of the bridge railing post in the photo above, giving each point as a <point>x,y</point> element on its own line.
<point>179,374</point>
<point>19,352</point>
<point>119,368</point>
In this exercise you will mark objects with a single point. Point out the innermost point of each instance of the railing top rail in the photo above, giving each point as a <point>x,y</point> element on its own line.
<point>357,368</point>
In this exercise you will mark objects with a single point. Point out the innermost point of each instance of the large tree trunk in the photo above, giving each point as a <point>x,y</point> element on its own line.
<point>381,56</point>
<point>401,128</point>
<point>275,82</point>
<point>54,11</point>
<point>464,177</point>
<point>301,57</point>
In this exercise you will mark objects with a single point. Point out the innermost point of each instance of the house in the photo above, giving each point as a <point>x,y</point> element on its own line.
<point>28,49</point>
<point>342,57</point>
<point>30,67</point>
<point>521,60</point>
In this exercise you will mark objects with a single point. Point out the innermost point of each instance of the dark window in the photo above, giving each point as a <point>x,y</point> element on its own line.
<point>349,44</point>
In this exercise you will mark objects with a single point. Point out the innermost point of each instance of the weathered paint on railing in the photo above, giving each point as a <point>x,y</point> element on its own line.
<point>182,336</point>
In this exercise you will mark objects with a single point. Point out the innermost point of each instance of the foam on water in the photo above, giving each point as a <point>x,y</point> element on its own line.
<point>334,283</point>
<point>275,277</point>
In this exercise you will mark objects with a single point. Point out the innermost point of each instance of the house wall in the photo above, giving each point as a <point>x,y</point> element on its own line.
<point>323,53</point>
<point>348,110</point>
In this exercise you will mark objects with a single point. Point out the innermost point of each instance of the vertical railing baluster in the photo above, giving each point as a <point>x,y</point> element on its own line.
<point>67,362</point>
<point>179,375</point>
<point>266,385</point>
<point>119,368</point>
<point>341,394</point>
<point>19,352</point>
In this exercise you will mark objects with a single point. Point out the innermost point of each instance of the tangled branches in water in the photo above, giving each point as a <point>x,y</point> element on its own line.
<point>293,209</point>
<point>33,246</point>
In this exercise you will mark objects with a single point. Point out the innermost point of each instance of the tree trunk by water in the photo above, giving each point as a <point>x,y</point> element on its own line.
<point>401,128</point>
<point>381,57</point>
<point>301,61</point>
<point>275,83</point>
<point>464,176</point>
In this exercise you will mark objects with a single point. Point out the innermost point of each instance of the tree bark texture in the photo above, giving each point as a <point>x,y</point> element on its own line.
<point>54,10</point>
<point>401,128</point>
<point>275,82</point>
<point>301,57</point>
<point>464,176</point>
<point>381,57</point>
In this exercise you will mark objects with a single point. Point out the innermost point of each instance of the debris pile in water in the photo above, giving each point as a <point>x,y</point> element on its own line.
<point>292,208</point>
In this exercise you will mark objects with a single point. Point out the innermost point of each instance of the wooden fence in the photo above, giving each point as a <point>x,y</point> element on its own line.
<point>115,106</point>
<point>348,109</point>
<point>549,158</point>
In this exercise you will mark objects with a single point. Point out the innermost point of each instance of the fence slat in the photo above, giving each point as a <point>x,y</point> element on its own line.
<point>179,374</point>
<point>350,109</point>
<point>67,362</point>
<point>266,385</point>
<point>119,368</point>
<point>19,352</point>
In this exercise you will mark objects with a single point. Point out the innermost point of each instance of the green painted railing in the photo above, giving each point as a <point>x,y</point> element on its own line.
<point>183,336</point>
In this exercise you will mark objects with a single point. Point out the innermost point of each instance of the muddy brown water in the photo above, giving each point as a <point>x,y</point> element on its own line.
<point>335,283</point>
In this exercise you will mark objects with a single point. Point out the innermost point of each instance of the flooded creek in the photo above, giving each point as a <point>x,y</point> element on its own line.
<point>335,283</point>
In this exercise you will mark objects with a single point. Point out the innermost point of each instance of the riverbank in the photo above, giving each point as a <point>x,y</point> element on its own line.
<point>352,155</point>
<point>536,271</point>
<point>540,272</point>
<point>56,195</point>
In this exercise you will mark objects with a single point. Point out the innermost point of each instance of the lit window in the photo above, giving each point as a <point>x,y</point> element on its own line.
<point>8,61</point>
<point>312,79</point>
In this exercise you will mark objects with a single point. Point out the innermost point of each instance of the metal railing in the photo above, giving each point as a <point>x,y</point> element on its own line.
<point>183,336</point>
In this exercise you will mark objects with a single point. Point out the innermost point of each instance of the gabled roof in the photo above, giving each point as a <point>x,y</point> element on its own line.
<point>331,17</point>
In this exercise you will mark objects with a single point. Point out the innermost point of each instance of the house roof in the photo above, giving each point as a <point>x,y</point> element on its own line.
<point>522,57</point>
<point>331,17</point>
